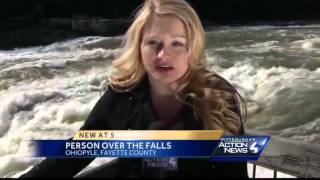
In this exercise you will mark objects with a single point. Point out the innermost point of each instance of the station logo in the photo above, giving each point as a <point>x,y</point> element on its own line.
<point>244,148</point>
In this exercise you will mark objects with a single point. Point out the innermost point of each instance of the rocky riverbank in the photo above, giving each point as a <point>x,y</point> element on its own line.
<point>24,32</point>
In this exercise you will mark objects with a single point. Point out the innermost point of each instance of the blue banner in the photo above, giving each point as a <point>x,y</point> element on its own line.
<point>118,148</point>
<point>235,148</point>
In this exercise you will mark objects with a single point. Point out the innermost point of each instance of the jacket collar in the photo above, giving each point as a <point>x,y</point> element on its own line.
<point>141,91</point>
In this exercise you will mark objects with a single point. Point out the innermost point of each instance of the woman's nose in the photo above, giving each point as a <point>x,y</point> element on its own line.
<point>162,52</point>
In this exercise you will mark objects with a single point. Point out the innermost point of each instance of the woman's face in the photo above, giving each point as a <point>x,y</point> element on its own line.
<point>164,49</point>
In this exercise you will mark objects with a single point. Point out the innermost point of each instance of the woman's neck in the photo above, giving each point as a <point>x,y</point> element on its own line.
<point>164,100</point>
<point>161,89</point>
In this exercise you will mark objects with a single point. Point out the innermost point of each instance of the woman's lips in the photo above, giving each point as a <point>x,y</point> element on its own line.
<point>164,68</point>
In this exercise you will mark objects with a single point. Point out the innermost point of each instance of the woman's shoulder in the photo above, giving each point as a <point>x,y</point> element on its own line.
<point>230,94</point>
<point>114,94</point>
<point>222,87</point>
<point>216,81</point>
<point>109,111</point>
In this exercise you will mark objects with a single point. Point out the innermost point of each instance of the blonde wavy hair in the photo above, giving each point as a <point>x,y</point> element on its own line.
<point>210,96</point>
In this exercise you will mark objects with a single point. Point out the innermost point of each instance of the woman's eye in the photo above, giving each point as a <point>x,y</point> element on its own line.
<point>152,42</point>
<point>177,44</point>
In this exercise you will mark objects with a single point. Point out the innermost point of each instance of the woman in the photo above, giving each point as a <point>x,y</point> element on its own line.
<point>160,82</point>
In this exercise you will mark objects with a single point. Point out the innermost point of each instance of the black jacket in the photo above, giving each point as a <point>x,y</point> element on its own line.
<point>120,111</point>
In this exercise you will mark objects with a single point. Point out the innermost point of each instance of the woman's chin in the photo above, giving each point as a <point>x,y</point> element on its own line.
<point>165,80</point>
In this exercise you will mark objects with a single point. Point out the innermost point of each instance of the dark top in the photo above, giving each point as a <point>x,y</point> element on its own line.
<point>133,109</point>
